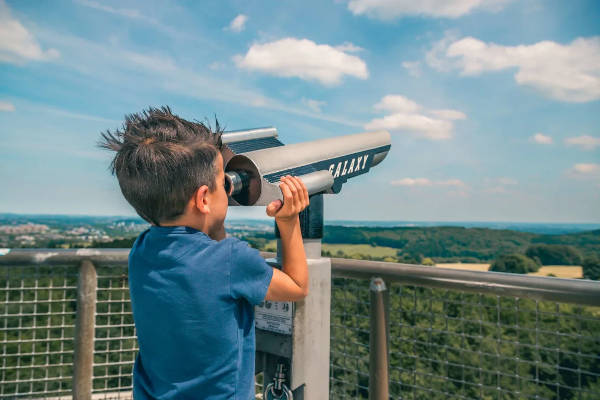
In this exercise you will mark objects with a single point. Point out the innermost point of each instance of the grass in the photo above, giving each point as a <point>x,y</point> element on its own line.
<point>349,250</point>
<point>353,249</point>
<point>559,271</point>
<point>470,267</point>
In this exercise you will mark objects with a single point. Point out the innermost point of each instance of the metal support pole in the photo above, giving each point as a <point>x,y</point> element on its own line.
<point>83,362</point>
<point>379,341</point>
<point>306,350</point>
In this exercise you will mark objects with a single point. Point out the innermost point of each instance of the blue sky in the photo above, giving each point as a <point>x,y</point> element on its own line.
<point>493,105</point>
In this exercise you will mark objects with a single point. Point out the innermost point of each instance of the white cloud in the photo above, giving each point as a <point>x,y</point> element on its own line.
<point>6,106</point>
<point>302,58</point>
<point>568,72</point>
<point>411,182</point>
<point>397,103</point>
<point>17,44</point>
<point>586,172</point>
<point>238,23</point>
<point>413,68</point>
<point>430,128</point>
<point>426,182</point>
<point>586,142</point>
<point>587,169</point>
<point>388,9</point>
<point>542,139</point>
<point>314,105</point>
<point>407,115</point>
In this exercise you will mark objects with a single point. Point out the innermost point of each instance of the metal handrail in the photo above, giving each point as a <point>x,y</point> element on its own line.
<point>583,292</point>
<point>578,291</point>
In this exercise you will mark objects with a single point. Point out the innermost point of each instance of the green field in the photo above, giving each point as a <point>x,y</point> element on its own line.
<point>347,250</point>
<point>355,249</point>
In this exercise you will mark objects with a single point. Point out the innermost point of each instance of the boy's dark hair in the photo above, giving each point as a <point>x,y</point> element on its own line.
<point>161,160</point>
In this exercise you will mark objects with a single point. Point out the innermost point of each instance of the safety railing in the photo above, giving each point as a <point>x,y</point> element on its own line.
<point>66,323</point>
<point>397,330</point>
<point>432,333</point>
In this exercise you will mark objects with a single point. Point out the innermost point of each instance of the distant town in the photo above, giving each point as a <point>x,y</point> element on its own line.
<point>51,231</point>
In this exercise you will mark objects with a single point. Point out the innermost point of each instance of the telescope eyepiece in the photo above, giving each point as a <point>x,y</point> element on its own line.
<point>236,182</point>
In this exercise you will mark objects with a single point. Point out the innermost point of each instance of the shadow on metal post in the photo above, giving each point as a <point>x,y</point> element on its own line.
<point>379,340</point>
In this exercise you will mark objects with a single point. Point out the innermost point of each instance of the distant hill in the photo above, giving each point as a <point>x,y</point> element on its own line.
<point>548,228</point>
<point>457,242</point>
<point>474,242</point>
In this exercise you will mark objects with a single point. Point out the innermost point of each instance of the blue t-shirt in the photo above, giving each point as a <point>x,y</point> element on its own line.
<point>193,304</point>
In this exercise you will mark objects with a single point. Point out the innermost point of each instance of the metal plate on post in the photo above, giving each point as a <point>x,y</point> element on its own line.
<point>274,316</point>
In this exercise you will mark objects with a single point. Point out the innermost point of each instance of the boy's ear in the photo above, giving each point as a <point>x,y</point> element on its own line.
<point>200,199</point>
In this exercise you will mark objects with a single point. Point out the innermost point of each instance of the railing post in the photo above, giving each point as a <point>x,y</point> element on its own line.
<point>379,341</point>
<point>83,362</point>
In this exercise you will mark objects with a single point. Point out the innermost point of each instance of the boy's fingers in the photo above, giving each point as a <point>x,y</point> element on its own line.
<point>296,193</point>
<point>304,193</point>
<point>301,192</point>
<point>287,194</point>
<point>273,207</point>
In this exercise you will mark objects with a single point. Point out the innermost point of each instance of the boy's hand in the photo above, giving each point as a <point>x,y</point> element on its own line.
<point>295,199</point>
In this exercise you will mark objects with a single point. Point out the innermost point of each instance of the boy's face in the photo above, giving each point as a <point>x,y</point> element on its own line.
<point>218,200</point>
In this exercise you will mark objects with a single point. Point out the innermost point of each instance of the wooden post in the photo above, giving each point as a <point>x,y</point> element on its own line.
<point>83,362</point>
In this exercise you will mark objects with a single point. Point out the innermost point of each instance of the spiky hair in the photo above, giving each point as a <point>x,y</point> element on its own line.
<point>161,159</point>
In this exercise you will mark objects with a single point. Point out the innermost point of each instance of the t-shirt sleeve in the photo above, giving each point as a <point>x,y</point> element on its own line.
<point>250,274</point>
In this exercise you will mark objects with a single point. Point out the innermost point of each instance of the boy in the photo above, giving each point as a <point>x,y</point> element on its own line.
<point>192,289</point>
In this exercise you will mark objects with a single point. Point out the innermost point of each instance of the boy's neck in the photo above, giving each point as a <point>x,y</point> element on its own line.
<point>200,224</point>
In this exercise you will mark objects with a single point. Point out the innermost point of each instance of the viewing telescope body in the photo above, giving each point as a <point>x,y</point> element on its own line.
<point>324,165</point>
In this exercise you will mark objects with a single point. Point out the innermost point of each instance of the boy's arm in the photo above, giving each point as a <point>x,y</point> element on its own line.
<point>291,283</point>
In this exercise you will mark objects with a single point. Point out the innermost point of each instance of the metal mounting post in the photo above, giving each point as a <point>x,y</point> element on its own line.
<point>307,348</point>
<point>379,341</point>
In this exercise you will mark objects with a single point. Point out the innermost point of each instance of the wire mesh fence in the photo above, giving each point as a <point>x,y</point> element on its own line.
<point>451,344</point>
<point>443,343</point>
<point>349,339</point>
<point>115,343</point>
<point>37,320</point>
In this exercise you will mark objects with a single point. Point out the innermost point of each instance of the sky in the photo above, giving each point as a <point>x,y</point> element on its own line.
<point>493,106</point>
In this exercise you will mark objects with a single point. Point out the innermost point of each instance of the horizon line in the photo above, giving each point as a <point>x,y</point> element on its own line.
<point>325,219</point>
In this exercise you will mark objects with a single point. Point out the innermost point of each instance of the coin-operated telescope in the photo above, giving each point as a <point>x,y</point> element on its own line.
<point>255,160</point>
<point>292,338</point>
